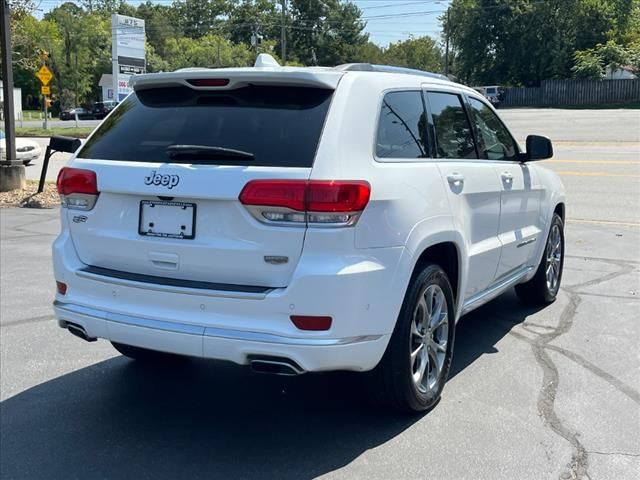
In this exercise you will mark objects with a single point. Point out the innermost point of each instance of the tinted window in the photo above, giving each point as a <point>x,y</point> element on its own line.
<point>494,141</point>
<point>453,133</point>
<point>402,126</point>
<point>280,126</point>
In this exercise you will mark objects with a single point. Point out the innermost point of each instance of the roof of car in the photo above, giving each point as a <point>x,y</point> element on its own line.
<point>269,72</point>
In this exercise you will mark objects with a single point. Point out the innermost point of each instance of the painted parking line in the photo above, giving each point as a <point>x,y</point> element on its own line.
<point>595,174</point>
<point>596,162</point>
<point>603,222</point>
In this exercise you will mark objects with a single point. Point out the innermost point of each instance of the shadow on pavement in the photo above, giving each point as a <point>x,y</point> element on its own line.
<point>206,419</point>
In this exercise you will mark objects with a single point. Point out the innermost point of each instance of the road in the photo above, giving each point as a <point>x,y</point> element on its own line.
<point>534,394</point>
<point>597,154</point>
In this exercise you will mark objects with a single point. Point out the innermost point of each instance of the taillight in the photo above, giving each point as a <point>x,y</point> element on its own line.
<point>78,188</point>
<point>315,202</point>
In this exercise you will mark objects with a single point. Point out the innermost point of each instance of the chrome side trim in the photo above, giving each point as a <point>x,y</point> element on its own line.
<point>214,332</point>
<point>494,290</point>
<point>171,289</point>
<point>526,242</point>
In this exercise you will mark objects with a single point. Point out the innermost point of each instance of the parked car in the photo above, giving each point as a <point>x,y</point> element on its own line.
<point>102,109</point>
<point>304,220</point>
<point>494,93</point>
<point>26,150</point>
<point>70,114</point>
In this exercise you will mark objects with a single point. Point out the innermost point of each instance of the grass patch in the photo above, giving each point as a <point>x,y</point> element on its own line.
<point>80,132</point>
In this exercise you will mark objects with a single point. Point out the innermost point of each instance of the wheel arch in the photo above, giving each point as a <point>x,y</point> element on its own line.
<point>560,209</point>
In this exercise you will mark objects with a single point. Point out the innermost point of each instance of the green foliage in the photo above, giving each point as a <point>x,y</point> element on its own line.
<point>588,65</point>
<point>422,53</point>
<point>522,42</point>
<point>592,63</point>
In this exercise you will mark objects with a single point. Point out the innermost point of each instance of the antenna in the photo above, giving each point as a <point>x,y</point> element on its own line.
<point>265,60</point>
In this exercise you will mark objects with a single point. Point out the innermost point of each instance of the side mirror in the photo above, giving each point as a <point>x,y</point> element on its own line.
<point>66,144</point>
<point>538,148</point>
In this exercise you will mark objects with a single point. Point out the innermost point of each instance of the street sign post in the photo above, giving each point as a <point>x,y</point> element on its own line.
<point>45,76</point>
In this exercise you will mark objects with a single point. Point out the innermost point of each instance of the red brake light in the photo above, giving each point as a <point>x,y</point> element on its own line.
<point>312,196</point>
<point>337,196</point>
<point>209,82</point>
<point>77,180</point>
<point>305,322</point>
<point>275,193</point>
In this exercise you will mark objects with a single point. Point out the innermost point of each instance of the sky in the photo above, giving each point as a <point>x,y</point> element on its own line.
<point>387,20</point>
<point>394,20</point>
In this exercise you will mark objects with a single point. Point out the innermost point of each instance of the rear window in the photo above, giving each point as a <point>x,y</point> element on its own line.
<point>402,126</point>
<point>279,126</point>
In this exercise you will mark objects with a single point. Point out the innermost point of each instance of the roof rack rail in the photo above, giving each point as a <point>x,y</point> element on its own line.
<point>368,67</point>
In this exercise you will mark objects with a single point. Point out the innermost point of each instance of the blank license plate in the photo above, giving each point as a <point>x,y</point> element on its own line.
<point>167,219</point>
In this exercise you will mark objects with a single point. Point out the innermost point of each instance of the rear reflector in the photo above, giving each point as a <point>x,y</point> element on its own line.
<point>308,195</point>
<point>209,82</point>
<point>61,288</point>
<point>304,322</point>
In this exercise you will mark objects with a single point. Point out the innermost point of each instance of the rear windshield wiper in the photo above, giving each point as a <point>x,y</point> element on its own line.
<point>206,152</point>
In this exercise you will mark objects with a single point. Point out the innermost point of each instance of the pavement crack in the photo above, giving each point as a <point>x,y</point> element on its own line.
<point>622,454</point>
<point>577,467</point>
<point>39,318</point>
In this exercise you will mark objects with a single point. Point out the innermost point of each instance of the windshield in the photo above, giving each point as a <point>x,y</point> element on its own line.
<point>277,126</point>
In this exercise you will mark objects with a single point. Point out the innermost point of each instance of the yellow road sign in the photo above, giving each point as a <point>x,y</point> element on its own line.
<point>45,90</point>
<point>44,75</point>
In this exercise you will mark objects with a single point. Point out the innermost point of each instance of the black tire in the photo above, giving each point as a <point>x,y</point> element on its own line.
<point>26,162</point>
<point>393,377</point>
<point>538,291</point>
<point>144,354</point>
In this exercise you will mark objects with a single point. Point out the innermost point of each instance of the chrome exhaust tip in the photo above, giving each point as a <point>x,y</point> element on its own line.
<point>275,366</point>
<point>79,331</point>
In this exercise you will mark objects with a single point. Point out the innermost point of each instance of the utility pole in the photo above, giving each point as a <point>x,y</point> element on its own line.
<point>446,49</point>
<point>7,83</point>
<point>283,33</point>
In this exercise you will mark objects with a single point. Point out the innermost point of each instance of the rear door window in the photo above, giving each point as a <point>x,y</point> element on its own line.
<point>454,138</point>
<point>402,127</point>
<point>278,126</point>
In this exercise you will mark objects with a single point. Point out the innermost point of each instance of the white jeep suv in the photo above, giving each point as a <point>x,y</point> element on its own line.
<point>303,220</point>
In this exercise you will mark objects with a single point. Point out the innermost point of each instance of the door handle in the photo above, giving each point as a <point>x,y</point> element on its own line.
<point>455,178</point>
<point>506,176</point>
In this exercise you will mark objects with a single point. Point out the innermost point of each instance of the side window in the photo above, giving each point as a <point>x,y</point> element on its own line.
<point>494,141</point>
<point>402,128</point>
<point>453,132</point>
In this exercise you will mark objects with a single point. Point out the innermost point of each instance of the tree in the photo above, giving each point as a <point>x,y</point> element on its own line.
<point>326,32</point>
<point>197,18</point>
<point>523,42</point>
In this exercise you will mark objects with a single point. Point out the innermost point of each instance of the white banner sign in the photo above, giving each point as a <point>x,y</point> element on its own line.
<point>128,52</point>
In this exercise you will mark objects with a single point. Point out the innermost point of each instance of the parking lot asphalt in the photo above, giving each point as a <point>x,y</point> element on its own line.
<point>534,393</point>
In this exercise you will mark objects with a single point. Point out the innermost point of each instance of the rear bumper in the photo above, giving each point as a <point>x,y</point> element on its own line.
<point>357,353</point>
<point>358,291</point>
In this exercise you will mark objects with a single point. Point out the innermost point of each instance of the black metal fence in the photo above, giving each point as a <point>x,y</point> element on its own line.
<point>573,92</point>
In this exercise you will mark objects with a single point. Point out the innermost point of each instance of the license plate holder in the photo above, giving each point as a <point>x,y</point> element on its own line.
<point>167,219</point>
